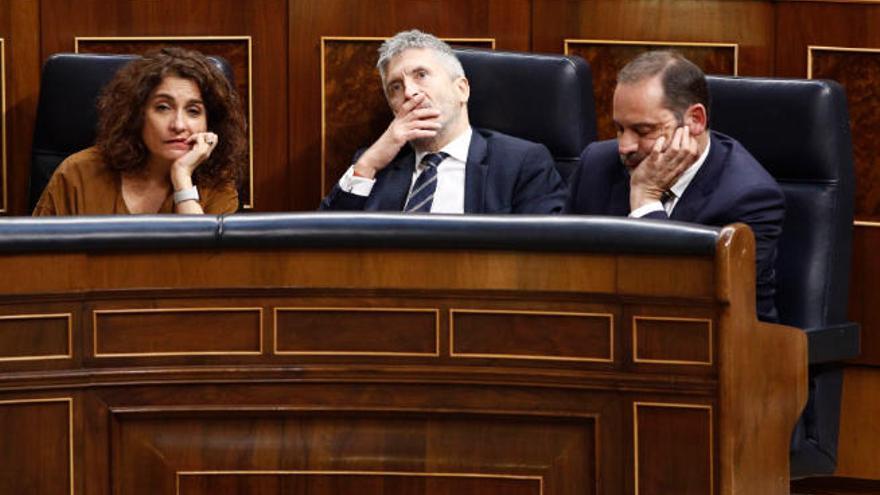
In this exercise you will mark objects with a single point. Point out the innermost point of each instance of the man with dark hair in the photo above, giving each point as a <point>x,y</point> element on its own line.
<point>667,164</point>
<point>430,159</point>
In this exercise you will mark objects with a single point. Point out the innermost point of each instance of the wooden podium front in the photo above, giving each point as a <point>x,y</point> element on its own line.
<point>393,371</point>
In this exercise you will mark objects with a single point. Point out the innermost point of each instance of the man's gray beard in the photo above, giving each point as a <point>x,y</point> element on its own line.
<point>424,144</point>
<point>430,144</point>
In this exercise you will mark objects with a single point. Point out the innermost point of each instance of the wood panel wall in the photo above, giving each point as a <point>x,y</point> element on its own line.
<point>772,36</point>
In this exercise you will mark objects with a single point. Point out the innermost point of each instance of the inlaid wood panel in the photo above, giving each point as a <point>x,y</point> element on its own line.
<point>673,445</point>
<point>179,331</point>
<point>662,339</point>
<point>4,183</point>
<point>561,336</point>
<point>859,428</point>
<point>37,448</point>
<point>357,331</point>
<point>354,109</point>
<point>27,337</point>
<point>864,306</point>
<point>612,32</point>
<point>263,22</point>
<point>419,453</point>
<point>606,58</point>
<point>235,49</point>
<point>749,24</point>
<point>857,70</point>
<point>363,483</point>
<point>672,340</point>
<point>800,25</point>
<point>19,30</point>
<point>505,21</point>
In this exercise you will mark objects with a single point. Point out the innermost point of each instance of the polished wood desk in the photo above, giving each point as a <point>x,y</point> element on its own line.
<point>389,370</point>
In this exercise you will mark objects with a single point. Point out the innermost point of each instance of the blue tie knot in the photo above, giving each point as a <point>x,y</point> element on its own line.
<point>434,159</point>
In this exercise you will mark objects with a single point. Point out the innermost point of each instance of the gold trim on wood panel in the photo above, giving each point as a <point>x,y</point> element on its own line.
<point>811,48</point>
<point>324,40</point>
<point>822,48</point>
<point>69,401</point>
<point>698,44</point>
<point>521,477</point>
<point>69,354</point>
<point>250,83</point>
<point>635,346</point>
<point>96,312</point>
<point>276,310</point>
<point>4,203</point>
<point>452,353</point>
<point>672,405</point>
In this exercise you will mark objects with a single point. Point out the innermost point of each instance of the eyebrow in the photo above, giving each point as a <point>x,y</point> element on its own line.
<point>169,97</point>
<point>646,126</point>
<point>414,69</point>
<point>639,124</point>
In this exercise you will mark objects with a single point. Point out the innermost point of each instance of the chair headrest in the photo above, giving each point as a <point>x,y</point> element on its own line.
<point>763,112</point>
<point>69,89</point>
<point>542,98</point>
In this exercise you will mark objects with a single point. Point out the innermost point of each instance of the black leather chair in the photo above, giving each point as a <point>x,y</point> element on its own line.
<point>799,130</point>
<point>66,114</point>
<point>543,98</point>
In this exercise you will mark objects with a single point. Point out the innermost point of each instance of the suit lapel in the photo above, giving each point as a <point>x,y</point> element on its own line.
<point>475,174</point>
<point>395,184</point>
<point>700,189</point>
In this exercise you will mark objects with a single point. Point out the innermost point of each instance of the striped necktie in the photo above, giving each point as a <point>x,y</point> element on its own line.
<point>422,194</point>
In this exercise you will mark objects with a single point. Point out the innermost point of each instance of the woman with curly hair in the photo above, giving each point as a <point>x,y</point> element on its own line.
<point>170,139</point>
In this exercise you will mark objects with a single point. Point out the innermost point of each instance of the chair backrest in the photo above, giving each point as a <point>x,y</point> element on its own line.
<point>543,98</point>
<point>66,113</point>
<point>799,131</point>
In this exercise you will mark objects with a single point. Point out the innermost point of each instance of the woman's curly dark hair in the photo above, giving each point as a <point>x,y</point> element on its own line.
<point>123,101</point>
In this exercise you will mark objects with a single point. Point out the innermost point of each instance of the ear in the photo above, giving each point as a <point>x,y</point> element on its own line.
<point>697,119</point>
<point>464,89</point>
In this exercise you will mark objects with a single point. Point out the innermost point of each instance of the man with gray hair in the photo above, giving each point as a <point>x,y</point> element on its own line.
<point>667,164</point>
<point>430,159</point>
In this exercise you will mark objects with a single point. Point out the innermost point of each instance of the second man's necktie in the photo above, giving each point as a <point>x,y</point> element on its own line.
<point>667,199</point>
<point>422,194</point>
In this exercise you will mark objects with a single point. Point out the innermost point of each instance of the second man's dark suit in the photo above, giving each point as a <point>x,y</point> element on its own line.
<point>503,174</point>
<point>731,186</point>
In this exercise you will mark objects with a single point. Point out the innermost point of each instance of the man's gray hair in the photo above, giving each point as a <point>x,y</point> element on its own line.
<point>406,40</point>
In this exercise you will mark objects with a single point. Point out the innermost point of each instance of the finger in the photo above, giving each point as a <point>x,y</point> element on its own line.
<point>677,139</point>
<point>684,142</point>
<point>412,103</point>
<point>420,133</point>
<point>658,146</point>
<point>425,113</point>
<point>425,124</point>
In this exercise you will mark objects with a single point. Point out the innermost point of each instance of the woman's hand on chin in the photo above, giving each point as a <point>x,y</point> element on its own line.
<point>203,143</point>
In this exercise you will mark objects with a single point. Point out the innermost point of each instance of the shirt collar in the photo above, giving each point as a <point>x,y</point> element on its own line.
<point>688,175</point>
<point>457,148</point>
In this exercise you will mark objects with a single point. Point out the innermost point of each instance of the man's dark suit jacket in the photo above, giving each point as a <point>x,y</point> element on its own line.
<point>730,187</point>
<point>503,174</point>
